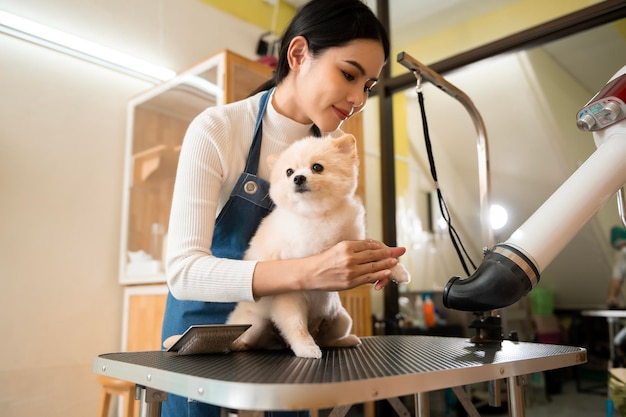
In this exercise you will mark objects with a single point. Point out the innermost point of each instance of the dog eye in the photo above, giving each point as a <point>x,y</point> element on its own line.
<point>289,172</point>
<point>317,168</point>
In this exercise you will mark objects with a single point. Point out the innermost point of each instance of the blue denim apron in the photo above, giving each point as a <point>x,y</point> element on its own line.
<point>249,202</point>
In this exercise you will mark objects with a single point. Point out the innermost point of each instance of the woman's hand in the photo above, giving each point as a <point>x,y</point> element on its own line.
<point>346,265</point>
<point>350,264</point>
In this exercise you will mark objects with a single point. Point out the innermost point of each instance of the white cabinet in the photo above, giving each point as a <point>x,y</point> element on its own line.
<point>157,121</point>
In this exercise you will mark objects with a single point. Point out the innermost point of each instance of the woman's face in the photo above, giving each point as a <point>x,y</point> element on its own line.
<point>335,85</point>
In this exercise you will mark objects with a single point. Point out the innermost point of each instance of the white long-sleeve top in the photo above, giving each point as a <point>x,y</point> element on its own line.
<point>212,157</point>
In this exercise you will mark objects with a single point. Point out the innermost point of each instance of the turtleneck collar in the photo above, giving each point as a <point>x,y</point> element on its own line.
<point>283,128</point>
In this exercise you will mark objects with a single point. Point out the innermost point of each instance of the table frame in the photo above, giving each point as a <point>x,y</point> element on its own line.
<point>612,319</point>
<point>383,367</point>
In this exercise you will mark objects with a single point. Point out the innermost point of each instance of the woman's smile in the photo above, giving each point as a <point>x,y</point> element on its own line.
<point>342,114</point>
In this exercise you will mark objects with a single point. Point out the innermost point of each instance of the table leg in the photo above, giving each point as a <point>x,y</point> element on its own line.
<point>399,407</point>
<point>340,411</point>
<point>611,322</point>
<point>516,395</point>
<point>465,401</point>
<point>150,401</point>
<point>422,404</point>
<point>495,393</point>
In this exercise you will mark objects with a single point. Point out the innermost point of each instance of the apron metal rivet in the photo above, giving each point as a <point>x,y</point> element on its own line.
<point>250,187</point>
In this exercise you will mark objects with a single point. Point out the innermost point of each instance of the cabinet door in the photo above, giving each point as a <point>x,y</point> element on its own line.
<point>242,77</point>
<point>143,317</point>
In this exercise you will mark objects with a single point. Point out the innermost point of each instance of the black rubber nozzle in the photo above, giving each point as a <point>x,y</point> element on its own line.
<point>504,276</point>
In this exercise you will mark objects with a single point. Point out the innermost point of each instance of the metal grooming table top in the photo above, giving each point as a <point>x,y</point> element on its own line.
<point>381,367</point>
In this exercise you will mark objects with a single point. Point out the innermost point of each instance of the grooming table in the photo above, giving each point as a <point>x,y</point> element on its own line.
<point>612,318</point>
<point>382,367</point>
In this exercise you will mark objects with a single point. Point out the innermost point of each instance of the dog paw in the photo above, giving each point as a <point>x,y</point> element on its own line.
<point>307,351</point>
<point>239,345</point>
<point>347,341</point>
<point>351,340</point>
<point>399,274</point>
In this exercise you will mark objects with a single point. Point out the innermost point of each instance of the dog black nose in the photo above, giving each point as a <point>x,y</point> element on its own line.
<point>299,179</point>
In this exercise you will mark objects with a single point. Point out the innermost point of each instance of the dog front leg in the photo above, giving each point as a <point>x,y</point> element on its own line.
<point>289,314</point>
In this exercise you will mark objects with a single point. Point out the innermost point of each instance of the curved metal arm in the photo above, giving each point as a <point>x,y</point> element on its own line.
<point>484,185</point>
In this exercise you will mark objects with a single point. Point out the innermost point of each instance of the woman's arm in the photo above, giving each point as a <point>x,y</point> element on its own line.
<point>346,265</point>
<point>209,165</point>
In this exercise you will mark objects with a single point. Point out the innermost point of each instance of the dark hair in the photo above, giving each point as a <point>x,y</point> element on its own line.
<point>327,24</point>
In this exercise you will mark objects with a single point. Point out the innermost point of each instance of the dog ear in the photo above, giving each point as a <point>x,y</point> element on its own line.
<point>271,160</point>
<point>346,144</point>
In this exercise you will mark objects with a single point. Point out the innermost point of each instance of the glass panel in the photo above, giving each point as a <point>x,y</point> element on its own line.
<point>528,101</point>
<point>438,29</point>
<point>159,125</point>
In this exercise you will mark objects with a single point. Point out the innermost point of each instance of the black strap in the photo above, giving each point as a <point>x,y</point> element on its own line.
<point>456,240</point>
<point>252,163</point>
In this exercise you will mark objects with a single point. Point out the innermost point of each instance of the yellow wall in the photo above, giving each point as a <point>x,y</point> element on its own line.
<point>257,12</point>
<point>621,27</point>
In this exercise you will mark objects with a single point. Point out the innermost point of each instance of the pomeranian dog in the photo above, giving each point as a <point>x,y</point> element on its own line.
<point>312,184</point>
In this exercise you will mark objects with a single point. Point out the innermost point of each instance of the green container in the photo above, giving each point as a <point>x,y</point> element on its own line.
<point>542,301</point>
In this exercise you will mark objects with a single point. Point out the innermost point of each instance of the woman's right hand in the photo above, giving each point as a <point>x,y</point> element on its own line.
<point>350,264</point>
<point>346,265</point>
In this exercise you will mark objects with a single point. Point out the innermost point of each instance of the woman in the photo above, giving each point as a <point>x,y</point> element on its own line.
<point>331,56</point>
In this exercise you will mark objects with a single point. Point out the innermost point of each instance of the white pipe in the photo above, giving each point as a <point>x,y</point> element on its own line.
<point>511,269</point>
<point>560,218</point>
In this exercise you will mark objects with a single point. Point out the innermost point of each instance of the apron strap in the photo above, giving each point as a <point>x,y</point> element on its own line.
<point>252,163</point>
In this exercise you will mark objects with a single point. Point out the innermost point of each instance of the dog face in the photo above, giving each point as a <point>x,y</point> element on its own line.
<point>314,174</point>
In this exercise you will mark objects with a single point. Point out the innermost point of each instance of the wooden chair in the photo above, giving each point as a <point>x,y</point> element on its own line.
<point>145,306</point>
<point>125,389</point>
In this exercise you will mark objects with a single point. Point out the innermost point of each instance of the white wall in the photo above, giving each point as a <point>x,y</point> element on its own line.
<point>62,126</point>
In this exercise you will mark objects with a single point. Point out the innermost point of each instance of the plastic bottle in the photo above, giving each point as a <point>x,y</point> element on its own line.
<point>418,309</point>
<point>429,311</point>
<point>156,241</point>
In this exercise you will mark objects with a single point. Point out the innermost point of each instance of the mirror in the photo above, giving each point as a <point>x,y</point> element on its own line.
<point>528,100</point>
